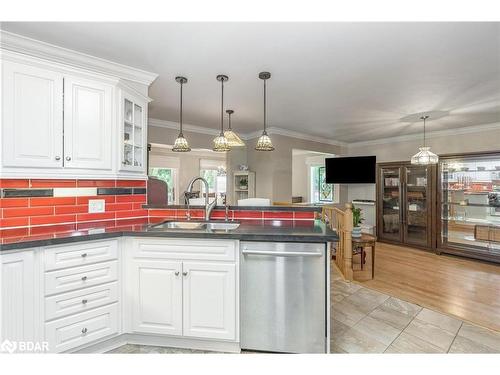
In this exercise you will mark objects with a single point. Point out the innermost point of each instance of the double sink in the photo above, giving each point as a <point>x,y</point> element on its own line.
<point>197,225</point>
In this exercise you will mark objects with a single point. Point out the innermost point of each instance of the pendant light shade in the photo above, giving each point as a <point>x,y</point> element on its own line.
<point>264,143</point>
<point>424,156</point>
<point>181,143</point>
<point>220,142</point>
<point>232,138</point>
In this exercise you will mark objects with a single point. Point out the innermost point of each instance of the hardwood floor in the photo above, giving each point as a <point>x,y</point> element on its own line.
<point>467,289</point>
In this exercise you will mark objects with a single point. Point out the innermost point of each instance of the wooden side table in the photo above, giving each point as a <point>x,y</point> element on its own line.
<point>366,240</point>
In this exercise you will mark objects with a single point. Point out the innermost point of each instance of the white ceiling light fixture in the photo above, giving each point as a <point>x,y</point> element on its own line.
<point>264,143</point>
<point>424,156</point>
<point>220,142</point>
<point>181,144</point>
<point>232,138</point>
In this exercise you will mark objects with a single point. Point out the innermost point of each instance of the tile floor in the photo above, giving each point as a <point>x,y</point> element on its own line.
<point>367,321</point>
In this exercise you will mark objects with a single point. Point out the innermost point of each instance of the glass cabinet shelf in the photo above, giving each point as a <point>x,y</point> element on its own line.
<point>133,156</point>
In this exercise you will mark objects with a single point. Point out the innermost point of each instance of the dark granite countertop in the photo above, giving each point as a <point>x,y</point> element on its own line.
<point>307,208</point>
<point>249,230</point>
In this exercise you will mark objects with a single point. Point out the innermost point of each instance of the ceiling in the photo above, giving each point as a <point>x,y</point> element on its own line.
<point>342,81</point>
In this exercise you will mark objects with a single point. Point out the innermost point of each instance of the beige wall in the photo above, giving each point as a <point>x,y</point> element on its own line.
<point>300,173</point>
<point>274,169</point>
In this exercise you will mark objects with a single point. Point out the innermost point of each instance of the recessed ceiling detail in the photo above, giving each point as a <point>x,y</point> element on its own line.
<point>363,79</point>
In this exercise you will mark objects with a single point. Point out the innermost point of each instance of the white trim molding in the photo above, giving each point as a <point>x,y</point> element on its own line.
<point>32,47</point>
<point>428,135</point>
<point>245,136</point>
<point>185,127</point>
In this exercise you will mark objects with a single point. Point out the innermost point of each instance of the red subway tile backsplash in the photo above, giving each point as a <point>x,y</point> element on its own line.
<point>50,201</point>
<point>27,212</point>
<point>14,183</point>
<point>53,183</point>
<point>41,220</point>
<point>14,202</point>
<point>130,183</point>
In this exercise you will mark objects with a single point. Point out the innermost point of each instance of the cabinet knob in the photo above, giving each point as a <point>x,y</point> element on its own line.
<point>68,158</point>
<point>177,273</point>
<point>84,278</point>
<point>185,273</point>
<point>58,158</point>
<point>84,301</point>
<point>84,255</point>
<point>84,331</point>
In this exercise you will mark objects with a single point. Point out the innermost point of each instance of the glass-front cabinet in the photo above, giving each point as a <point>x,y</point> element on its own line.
<point>405,196</point>
<point>134,132</point>
<point>470,206</point>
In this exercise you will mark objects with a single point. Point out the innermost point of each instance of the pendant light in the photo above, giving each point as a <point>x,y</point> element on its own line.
<point>232,138</point>
<point>264,142</point>
<point>181,144</point>
<point>220,142</point>
<point>424,156</point>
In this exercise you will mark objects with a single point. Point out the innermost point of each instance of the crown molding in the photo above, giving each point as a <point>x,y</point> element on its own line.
<point>36,48</point>
<point>428,135</point>
<point>292,134</point>
<point>185,127</point>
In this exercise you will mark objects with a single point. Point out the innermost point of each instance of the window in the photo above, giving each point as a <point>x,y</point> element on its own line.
<point>169,176</point>
<point>214,171</point>
<point>320,191</point>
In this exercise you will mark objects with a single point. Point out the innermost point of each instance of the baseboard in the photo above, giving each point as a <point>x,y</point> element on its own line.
<point>165,341</point>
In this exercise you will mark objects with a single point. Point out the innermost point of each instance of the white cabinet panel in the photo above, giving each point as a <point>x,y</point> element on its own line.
<point>32,114</point>
<point>17,296</point>
<point>209,300</point>
<point>80,254</point>
<point>75,330</point>
<point>157,297</point>
<point>87,124</point>
<point>68,279</point>
<point>80,300</point>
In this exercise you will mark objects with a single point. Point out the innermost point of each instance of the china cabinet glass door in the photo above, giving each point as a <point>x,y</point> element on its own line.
<point>417,197</point>
<point>470,206</point>
<point>133,133</point>
<point>390,180</point>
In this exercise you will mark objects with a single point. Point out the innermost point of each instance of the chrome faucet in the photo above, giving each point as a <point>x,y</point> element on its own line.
<point>208,206</point>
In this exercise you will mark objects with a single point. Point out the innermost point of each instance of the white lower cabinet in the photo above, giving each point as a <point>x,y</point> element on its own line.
<point>209,301</point>
<point>17,288</point>
<point>193,298</point>
<point>76,296</point>
<point>79,329</point>
<point>157,297</point>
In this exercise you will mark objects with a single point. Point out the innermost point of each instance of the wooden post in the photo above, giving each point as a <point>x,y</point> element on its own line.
<point>348,225</point>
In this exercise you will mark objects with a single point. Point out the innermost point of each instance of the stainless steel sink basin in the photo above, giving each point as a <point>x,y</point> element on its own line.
<point>182,225</point>
<point>222,226</point>
<point>197,225</point>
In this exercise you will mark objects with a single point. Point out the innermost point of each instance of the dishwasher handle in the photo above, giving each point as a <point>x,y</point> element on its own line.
<point>281,253</point>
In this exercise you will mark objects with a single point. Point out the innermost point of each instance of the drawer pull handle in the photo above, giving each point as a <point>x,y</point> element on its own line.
<point>84,278</point>
<point>84,255</point>
<point>84,301</point>
<point>177,273</point>
<point>185,273</point>
<point>84,331</point>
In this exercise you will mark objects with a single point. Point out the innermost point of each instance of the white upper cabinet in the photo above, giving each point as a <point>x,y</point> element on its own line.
<point>32,116</point>
<point>133,125</point>
<point>65,115</point>
<point>88,124</point>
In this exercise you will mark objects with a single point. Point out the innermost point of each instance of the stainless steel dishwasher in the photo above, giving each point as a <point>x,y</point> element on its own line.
<point>283,297</point>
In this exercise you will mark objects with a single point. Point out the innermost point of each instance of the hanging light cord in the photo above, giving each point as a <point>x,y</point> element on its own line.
<point>265,106</point>
<point>181,112</point>
<point>222,109</point>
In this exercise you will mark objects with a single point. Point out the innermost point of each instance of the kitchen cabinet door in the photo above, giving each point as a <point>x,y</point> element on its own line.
<point>17,297</point>
<point>32,106</point>
<point>157,297</point>
<point>88,124</point>
<point>209,300</point>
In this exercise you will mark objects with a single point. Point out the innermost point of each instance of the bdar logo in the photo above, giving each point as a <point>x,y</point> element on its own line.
<point>8,346</point>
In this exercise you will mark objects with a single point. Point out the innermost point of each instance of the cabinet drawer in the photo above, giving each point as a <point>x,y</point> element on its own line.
<point>81,254</point>
<point>80,300</point>
<point>172,248</point>
<point>75,330</point>
<point>69,279</point>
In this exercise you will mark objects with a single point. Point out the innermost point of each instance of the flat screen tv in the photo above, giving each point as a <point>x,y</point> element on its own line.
<point>351,170</point>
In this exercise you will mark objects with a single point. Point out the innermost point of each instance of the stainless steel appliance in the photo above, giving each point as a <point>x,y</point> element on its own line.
<point>283,297</point>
